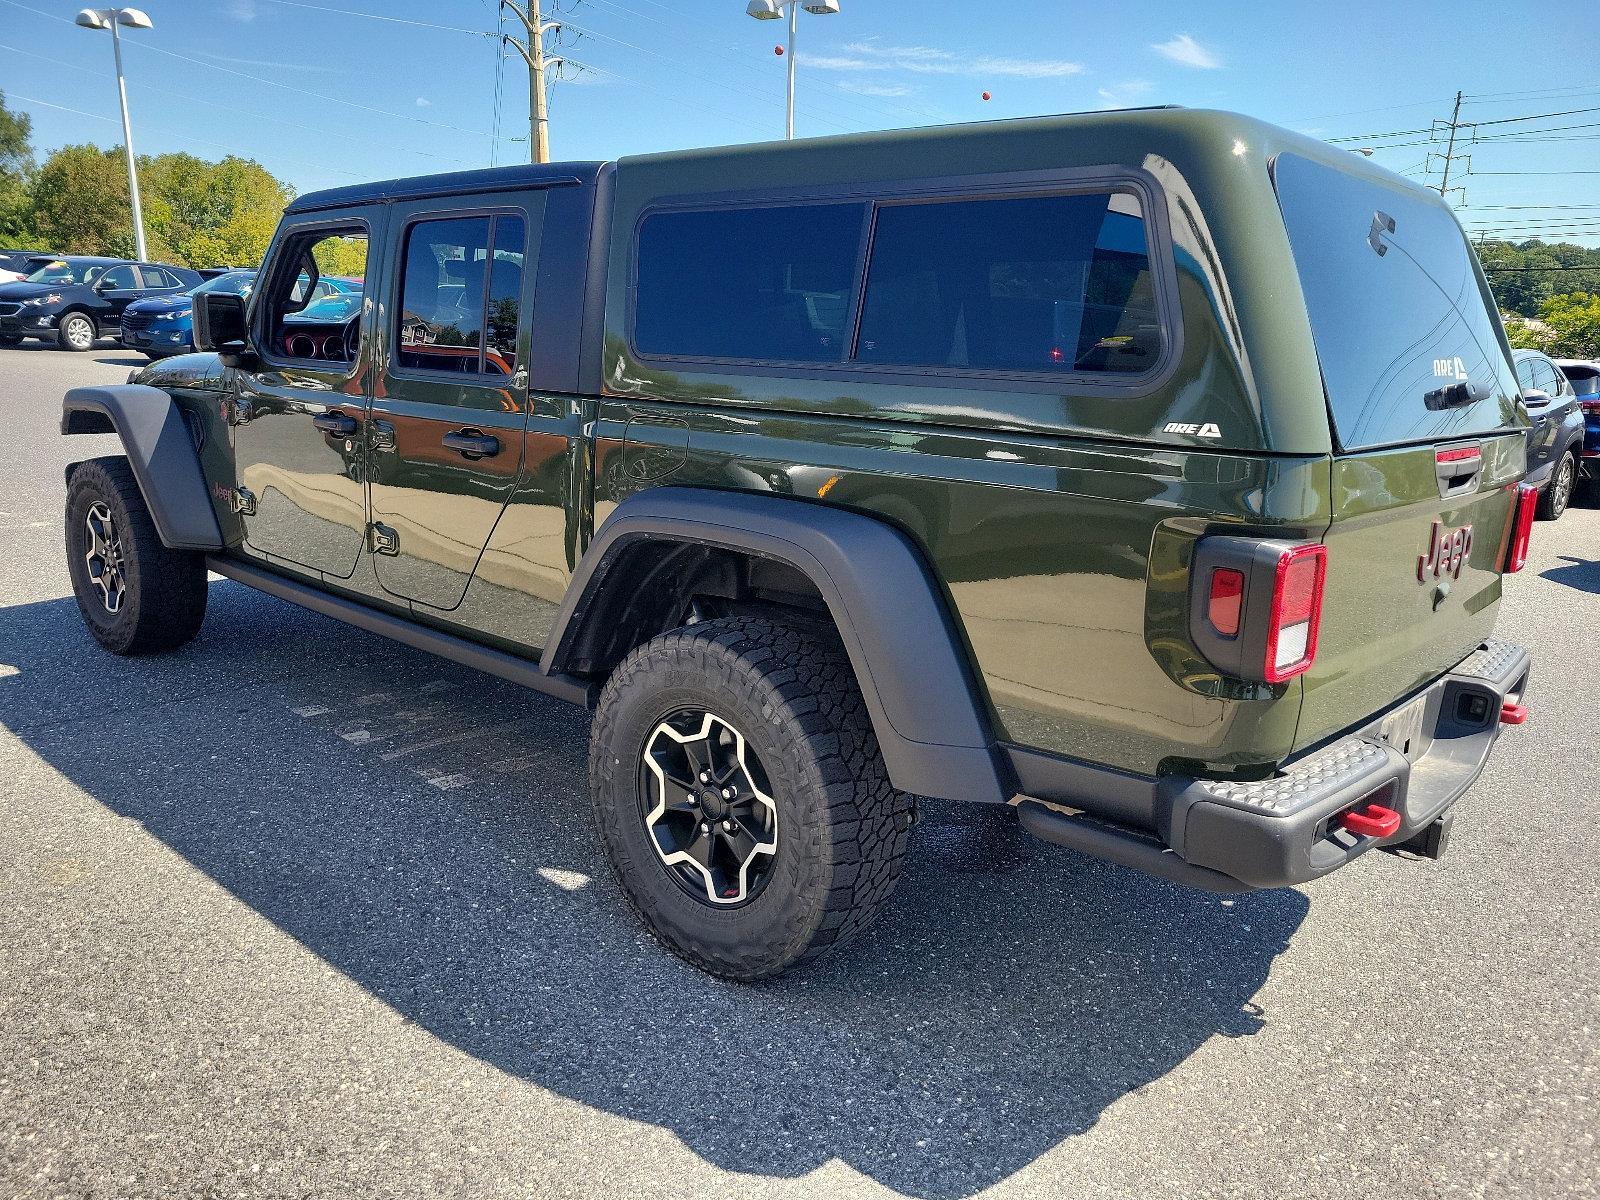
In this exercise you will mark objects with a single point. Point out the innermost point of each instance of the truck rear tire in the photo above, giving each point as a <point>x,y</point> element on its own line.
<point>741,796</point>
<point>136,595</point>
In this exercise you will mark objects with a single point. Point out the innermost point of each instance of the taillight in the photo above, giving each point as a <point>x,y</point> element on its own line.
<point>1225,601</point>
<point>1591,405</point>
<point>1296,612</point>
<point>1522,530</point>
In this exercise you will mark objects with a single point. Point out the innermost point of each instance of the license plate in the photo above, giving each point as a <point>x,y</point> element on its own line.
<point>137,338</point>
<point>1402,728</point>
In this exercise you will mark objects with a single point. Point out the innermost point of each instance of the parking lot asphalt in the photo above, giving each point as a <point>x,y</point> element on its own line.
<point>299,912</point>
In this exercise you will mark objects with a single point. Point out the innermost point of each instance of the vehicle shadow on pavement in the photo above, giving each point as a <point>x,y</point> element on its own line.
<point>424,830</point>
<point>108,353</point>
<point>1579,573</point>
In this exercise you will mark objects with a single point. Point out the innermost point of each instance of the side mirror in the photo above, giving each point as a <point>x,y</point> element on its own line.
<point>219,324</point>
<point>1535,397</point>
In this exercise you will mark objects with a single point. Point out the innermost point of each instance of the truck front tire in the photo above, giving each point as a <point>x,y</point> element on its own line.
<point>741,797</point>
<point>136,595</point>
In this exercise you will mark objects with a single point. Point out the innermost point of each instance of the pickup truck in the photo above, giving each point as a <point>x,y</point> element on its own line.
<point>1148,475</point>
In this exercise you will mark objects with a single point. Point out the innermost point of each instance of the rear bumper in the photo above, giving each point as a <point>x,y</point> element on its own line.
<point>1417,759</point>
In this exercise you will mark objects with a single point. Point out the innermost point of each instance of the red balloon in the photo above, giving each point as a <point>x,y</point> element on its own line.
<point>778,50</point>
<point>986,95</point>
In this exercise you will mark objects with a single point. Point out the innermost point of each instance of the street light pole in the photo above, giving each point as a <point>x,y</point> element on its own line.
<point>772,10</point>
<point>110,18</point>
<point>127,145</point>
<point>788,121</point>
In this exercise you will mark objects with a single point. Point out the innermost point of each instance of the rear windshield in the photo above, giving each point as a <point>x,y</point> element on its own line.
<point>1585,380</point>
<point>1405,334</point>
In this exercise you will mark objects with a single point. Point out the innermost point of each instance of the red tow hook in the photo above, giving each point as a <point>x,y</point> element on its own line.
<point>1513,714</point>
<point>1375,821</point>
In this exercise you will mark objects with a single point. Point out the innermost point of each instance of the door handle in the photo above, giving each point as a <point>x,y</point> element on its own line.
<point>469,443</point>
<point>336,423</point>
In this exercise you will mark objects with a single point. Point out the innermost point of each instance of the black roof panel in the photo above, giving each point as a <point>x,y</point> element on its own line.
<point>452,183</point>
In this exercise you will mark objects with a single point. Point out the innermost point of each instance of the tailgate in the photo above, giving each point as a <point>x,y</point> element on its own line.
<point>1425,412</point>
<point>1413,579</point>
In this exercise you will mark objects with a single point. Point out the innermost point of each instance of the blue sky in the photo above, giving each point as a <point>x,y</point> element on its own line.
<point>322,96</point>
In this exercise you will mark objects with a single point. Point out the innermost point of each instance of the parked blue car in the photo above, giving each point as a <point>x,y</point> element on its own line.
<point>164,325</point>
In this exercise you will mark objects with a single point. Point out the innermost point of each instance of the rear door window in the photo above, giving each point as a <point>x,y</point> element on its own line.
<point>462,278</point>
<point>1544,377</point>
<point>1053,284</point>
<point>1403,328</point>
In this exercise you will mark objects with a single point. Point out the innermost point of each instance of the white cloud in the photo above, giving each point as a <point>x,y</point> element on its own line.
<point>424,102</point>
<point>242,10</point>
<point>1184,50</point>
<point>929,60</point>
<point>1124,94</point>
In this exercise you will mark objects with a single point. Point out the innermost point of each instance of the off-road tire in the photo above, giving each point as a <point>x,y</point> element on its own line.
<point>842,828</point>
<point>1555,499</point>
<point>68,335</point>
<point>164,590</point>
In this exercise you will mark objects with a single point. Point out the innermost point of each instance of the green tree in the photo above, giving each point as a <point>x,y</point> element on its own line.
<point>80,202</point>
<point>16,173</point>
<point>1524,334</point>
<point>1574,321</point>
<point>196,213</point>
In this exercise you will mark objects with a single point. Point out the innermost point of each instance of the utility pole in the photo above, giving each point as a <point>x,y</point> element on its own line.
<point>1455,124</point>
<point>532,51</point>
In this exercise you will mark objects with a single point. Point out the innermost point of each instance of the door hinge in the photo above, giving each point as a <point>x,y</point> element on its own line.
<point>243,502</point>
<point>384,539</point>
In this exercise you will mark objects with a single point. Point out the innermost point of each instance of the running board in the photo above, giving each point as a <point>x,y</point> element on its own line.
<point>420,637</point>
<point>1121,846</point>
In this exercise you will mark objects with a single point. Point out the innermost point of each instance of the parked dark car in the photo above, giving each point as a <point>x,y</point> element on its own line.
<point>1555,441</point>
<point>17,265</point>
<point>1585,380</point>
<point>73,300</point>
<point>164,325</point>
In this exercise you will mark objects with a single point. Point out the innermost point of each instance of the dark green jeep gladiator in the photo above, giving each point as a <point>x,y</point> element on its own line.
<point>1152,473</point>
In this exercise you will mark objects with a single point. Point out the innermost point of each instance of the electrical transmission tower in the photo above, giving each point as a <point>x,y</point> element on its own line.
<point>1449,158</point>
<point>532,51</point>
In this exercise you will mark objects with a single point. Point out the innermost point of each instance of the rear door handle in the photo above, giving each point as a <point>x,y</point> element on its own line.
<point>336,423</point>
<point>469,443</point>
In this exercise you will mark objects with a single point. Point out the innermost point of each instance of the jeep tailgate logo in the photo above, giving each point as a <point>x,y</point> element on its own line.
<point>1447,551</point>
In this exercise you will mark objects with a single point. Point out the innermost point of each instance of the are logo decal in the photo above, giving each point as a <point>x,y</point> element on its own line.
<point>1447,552</point>
<point>1207,430</point>
<point>1450,368</point>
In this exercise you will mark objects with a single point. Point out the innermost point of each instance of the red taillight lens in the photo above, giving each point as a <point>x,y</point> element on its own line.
<point>1590,405</point>
<point>1296,612</point>
<point>1227,597</point>
<point>1522,531</point>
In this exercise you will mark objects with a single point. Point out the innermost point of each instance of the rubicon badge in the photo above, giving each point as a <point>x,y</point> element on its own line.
<point>1447,552</point>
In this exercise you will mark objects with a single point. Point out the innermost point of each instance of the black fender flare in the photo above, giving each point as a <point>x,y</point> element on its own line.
<point>926,705</point>
<point>161,451</point>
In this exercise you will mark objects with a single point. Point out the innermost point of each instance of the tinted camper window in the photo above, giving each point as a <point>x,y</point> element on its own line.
<point>764,284</point>
<point>1052,284</point>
